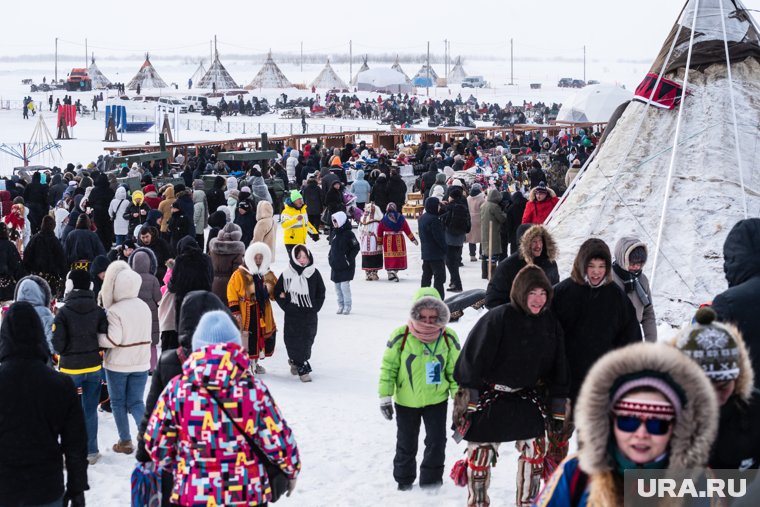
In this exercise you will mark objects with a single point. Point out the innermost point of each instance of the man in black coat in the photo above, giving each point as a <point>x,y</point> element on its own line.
<point>428,179</point>
<point>536,247</point>
<point>36,199</point>
<point>41,421</point>
<point>100,200</point>
<point>396,190</point>
<point>433,246</point>
<point>192,271</point>
<point>379,193</point>
<point>740,303</point>
<point>169,365</point>
<point>313,198</point>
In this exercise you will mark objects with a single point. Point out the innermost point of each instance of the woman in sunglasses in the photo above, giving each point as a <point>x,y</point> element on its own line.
<point>640,407</point>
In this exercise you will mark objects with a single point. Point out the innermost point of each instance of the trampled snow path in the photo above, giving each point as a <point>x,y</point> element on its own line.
<point>346,445</point>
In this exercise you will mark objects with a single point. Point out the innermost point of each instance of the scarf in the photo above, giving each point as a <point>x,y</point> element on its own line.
<point>296,283</point>
<point>260,290</point>
<point>394,221</point>
<point>426,333</point>
<point>631,283</point>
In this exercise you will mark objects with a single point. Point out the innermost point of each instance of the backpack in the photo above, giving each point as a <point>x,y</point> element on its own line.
<point>457,219</point>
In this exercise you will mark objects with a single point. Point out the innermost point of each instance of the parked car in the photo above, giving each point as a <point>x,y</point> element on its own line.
<point>169,104</point>
<point>195,102</point>
<point>578,83</point>
<point>592,82</point>
<point>565,82</point>
<point>473,82</point>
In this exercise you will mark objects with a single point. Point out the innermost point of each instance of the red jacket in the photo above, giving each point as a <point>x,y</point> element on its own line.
<point>152,198</point>
<point>536,212</point>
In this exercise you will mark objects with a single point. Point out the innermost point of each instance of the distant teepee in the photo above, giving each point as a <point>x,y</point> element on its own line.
<point>217,74</point>
<point>199,72</point>
<point>269,76</point>
<point>329,79</point>
<point>362,69</point>
<point>98,79</point>
<point>147,77</point>
<point>457,74</point>
<point>397,67</point>
<point>423,73</point>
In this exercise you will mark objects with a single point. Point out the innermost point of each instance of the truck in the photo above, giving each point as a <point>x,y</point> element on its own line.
<point>79,80</point>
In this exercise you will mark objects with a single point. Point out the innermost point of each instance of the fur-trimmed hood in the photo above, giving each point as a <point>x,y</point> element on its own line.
<point>592,248</point>
<point>250,254</point>
<point>695,428</point>
<point>550,246</point>
<point>428,297</point>
<point>143,260</point>
<point>527,279</point>
<point>120,283</point>
<point>35,290</point>
<point>532,195</point>
<point>745,382</point>
<point>623,249</point>
<point>227,242</point>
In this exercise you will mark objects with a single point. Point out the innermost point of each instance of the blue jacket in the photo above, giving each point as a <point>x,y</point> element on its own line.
<point>560,489</point>
<point>360,188</point>
<point>432,232</point>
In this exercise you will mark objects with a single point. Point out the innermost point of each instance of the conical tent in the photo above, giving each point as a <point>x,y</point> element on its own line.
<point>425,78</point>
<point>594,103</point>
<point>361,69</point>
<point>146,77</point>
<point>328,79</point>
<point>219,75</point>
<point>99,80</point>
<point>397,67</point>
<point>678,179</point>
<point>199,72</point>
<point>269,76</point>
<point>457,74</point>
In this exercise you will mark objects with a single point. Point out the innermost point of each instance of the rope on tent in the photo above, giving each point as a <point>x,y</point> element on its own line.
<point>635,136</point>
<point>733,108</point>
<point>669,181</point>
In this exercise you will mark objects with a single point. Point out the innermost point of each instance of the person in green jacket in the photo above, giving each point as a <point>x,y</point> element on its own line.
<point>418,370</point>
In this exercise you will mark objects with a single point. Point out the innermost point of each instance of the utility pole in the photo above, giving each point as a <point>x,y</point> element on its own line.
<point>428,70</point>
<point>584,63</point>
<point>446,57</point>
<point>85,53</point>
<point>216,51</point>
<point>56,59</point>
<point>511,62</point>
<point>301,56</point>
<point>350,61</point>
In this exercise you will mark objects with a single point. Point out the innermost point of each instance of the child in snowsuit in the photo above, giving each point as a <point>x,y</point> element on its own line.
<point>300,292</point>
<point>342,257</point>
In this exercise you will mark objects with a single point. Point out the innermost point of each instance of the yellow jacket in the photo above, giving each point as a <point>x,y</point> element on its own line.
<point>294,230</point>
<point>241,298</point>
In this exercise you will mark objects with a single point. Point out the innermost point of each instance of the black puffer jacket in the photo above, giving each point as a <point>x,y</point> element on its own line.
<point>432,232</point>
<point>215,196</point>
<point>396,191</point>
<point>313,197</point>
<point>343,251</point>
<point>75,335</point>
<point>41,419</point>
<point>82,244</point>
<point>739,304</point>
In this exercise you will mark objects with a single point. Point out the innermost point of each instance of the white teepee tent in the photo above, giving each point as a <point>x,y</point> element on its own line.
<point>269,76</point>
<point>397,67</point>
<point>146,77</point>
<point>329,79</point>
<point>457,74</point>
<point>421,78</point>
<point>99,80</point>
<point>199,73</point>
<point>678,179</point>
<point>361,69</point>
<point>219,75</point>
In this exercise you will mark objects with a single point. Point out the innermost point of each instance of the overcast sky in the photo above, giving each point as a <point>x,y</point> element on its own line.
<point>610,29</point>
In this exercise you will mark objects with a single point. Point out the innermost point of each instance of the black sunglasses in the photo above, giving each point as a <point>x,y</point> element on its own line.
<point>630,423</point>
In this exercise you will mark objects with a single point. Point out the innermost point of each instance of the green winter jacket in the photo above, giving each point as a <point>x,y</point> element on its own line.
<point>403,373</point>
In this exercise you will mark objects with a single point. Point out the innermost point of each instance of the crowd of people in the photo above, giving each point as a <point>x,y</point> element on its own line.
<point>172,284</point>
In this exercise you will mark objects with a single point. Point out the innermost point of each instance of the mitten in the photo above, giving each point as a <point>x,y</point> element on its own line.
<point>386,407</point>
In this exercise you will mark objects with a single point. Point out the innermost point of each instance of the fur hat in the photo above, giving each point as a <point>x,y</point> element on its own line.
<point>78,279</point>
<point>428,297</point>
<point>550,246</point>
<point>592,248</point>
<point>528,278</point>
<point>250,258</point>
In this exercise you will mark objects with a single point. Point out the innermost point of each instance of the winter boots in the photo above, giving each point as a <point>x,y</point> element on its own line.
<point>346,309</point>
<point>392,276</point>
<point>293,368</point>
<point>372,276</point>
<point>479,463</point>
<point>124,447</point>
<point>340,310</point>
<point>302,371</point>
<point>530,469</point>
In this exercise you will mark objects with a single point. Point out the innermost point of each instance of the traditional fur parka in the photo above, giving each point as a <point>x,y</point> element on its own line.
<point>226,252</point>
<point>690,443</point>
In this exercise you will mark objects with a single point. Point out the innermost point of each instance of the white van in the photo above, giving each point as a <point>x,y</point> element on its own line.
<point>473,82</point>
<point>195,102</point>
<point>169,104</point>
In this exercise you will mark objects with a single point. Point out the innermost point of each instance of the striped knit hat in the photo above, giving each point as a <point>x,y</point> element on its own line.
<point>623,405</point>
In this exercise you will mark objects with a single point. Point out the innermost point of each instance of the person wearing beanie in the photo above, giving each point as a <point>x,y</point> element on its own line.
<point>541,202</point>
<point>42,430</point>
<point>295,222</point>
<point>417,373</point>
<point>719,349</point>
<point>344,248</point>
<point>300,293</point>
<point>127,358</point>
<point>596,317</point>
<point>628,274</point>
<point>245,218</point>
<point>249,293</point>
<point>642,407</point>
<point>214,385</point>
<point>77,327</point>
<point>97,271</point>
<point>516,344</point>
